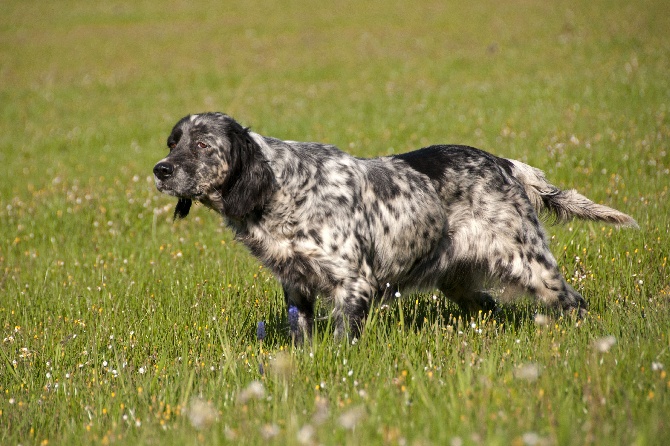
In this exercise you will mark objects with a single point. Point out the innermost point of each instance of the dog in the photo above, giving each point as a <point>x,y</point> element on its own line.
<point>353,230</point>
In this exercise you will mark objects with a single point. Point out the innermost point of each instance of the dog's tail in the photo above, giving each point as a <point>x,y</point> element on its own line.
<point>564,204</point>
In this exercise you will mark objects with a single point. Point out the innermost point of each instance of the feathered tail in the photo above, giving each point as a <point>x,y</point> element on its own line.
<point>565,204</point>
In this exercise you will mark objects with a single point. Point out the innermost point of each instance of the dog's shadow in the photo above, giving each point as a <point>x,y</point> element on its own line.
<point>416,313</point>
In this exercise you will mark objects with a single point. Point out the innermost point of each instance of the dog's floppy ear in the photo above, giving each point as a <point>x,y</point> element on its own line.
<point>182,208</point>
<point>250,182</point>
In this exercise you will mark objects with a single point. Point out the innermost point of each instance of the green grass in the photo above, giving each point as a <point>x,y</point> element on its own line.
<point>120,326</point>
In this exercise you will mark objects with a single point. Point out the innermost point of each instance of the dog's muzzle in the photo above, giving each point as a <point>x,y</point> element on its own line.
<point>163,170</point>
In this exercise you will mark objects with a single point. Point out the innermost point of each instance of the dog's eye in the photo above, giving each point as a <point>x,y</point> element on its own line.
<point>172,146</point>
<point>202,145</point>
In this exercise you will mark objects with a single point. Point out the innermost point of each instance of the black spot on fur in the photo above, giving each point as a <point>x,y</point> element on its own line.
<point>506,165</point>
<point>314,234</point>
<point>176,134</point>
<point>429,161</point>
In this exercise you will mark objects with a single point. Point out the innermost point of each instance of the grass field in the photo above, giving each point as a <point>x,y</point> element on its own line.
<point>122,327</point>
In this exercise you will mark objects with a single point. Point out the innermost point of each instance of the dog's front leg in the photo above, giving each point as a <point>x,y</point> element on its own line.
<point>300,305</point>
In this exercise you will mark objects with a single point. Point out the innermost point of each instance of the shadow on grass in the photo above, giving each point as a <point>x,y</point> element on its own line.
<point>417,312</point>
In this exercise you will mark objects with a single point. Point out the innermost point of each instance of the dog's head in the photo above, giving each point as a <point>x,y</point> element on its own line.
<point>214,160</point>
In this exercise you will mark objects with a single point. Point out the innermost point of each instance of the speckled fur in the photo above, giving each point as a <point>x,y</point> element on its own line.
<point>353,230</point>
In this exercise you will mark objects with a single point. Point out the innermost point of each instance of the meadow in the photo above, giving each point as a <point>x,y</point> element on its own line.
<point>120,326</point>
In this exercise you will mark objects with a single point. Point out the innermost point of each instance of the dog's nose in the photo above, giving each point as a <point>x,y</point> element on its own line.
<point>163,170</point>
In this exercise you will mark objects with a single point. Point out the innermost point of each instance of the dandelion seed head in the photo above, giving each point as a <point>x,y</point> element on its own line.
<point>604,344</point>
<point>255,390</point>
<point>282,366</point>
<point>269,431</point>
<point>541,320</point>
<point>201,414</point>
<point>321,411</point>
<point>527,372</point>
<point>305,434</point>
<point>532,439</point>
<point>349,419</point>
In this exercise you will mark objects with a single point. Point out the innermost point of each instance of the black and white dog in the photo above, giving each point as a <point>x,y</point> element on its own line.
<point>353,230</point>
